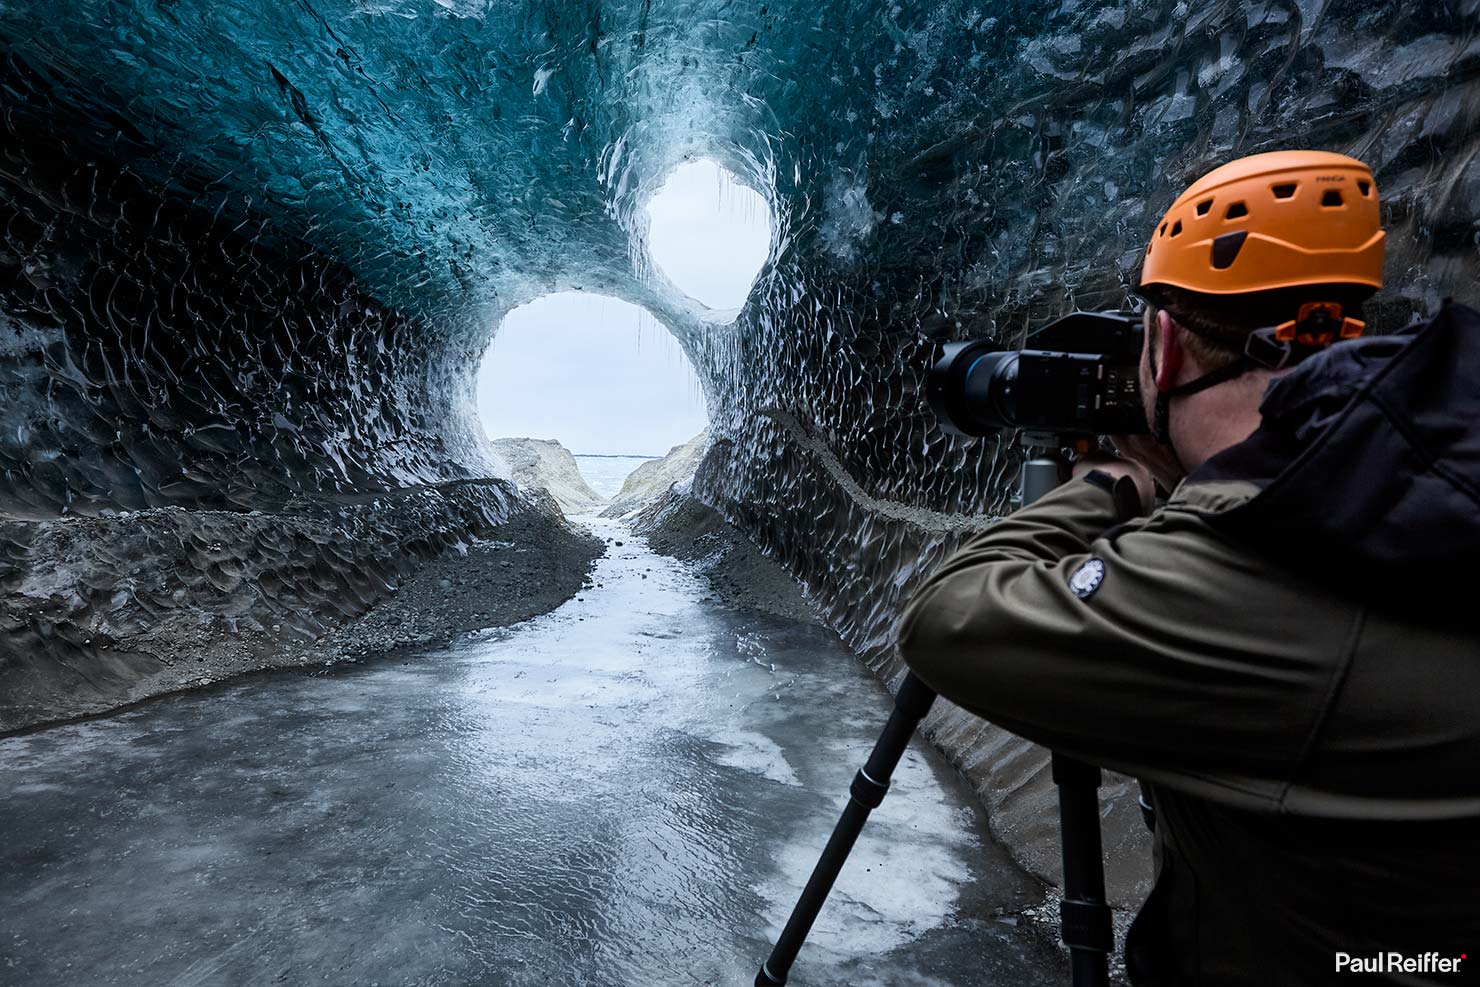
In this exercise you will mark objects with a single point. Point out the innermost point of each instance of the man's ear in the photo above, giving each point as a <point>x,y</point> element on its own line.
<point>1169,349</point>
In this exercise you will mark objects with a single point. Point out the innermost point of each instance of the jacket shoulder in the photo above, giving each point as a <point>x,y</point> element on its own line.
<point>1211,497</point>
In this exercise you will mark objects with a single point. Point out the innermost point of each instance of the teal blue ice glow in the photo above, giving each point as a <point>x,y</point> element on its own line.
<point>455,155</point>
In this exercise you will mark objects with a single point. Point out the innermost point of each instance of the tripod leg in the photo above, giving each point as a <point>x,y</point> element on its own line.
<point>869,786</point>
<point>1084,914</point>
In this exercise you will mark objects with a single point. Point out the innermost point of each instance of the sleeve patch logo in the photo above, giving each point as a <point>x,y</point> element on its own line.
<point>1087,578</point>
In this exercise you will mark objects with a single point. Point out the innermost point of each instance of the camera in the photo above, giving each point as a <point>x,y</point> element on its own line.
<point>1076,376</point>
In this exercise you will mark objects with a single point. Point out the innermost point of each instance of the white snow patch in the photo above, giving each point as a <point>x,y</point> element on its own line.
<point>903,876</point>
<point>758,754</point>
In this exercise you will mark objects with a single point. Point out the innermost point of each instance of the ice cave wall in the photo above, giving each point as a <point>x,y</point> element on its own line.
<point>251,252</point>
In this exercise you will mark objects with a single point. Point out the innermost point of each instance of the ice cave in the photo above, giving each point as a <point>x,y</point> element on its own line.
<point>251,257</point>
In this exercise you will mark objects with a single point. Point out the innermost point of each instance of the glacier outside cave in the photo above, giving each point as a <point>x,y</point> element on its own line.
<point>252,253</point>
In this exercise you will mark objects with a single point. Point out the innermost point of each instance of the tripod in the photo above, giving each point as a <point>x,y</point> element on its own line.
<point>1084,914</point>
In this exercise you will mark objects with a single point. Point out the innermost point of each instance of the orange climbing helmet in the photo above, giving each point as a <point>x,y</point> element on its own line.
<point>1284,246</point>
<point>1283,220</point>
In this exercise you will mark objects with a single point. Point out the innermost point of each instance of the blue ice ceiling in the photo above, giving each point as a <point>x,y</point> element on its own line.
<point>453,157</point>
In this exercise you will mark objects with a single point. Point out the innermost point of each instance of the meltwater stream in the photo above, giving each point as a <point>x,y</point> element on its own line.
<point>629,790</point>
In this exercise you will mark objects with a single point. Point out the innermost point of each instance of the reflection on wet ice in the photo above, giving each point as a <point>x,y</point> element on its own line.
<point>629,790</point>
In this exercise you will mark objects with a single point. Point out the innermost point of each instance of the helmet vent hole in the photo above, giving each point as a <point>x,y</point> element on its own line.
<point>1204,207</point>
<point>1177,229</point>
<point>1365,187</point>
<point>1226,249</point>
<point>1163,230</point>
<point>1236,211</point>
<point>1286,190</point>
<point>1332,198</point>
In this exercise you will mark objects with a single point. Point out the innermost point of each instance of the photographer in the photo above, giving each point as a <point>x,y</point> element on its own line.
<point>1283,652</point>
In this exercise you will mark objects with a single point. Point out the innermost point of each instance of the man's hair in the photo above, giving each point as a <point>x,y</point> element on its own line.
<point>1207,341</point>
<point>1218,327</point>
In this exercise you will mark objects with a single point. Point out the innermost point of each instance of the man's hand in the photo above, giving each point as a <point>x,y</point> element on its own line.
<point>1158,460</point>
<point>1116,468</point>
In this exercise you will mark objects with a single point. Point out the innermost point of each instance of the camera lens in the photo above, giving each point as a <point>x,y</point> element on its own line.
<point>991,387</point>
<point>972,387</point>
<point>1078,377</point>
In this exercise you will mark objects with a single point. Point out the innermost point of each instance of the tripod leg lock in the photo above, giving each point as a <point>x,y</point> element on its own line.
<point>768,979</point>
<point>1086,925</point>
<point>867,792</point>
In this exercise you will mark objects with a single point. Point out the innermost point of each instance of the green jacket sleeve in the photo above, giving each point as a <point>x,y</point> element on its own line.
<point>1178,658</point>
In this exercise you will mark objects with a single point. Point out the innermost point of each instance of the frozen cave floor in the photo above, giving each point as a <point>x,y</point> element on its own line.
<point>628,788</point>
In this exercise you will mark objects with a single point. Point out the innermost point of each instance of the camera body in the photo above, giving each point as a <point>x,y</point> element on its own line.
<point>1076,376</point>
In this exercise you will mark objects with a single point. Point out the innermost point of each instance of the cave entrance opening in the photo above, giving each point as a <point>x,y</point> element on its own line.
<point>600,376</point>
<point>710,235</point>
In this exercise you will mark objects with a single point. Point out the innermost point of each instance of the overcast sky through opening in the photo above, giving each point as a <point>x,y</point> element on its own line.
<point>709,234</point>
<point>601,375</point>
<point>598,374</point>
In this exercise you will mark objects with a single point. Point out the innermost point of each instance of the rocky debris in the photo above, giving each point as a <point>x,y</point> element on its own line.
<point>652,479</point>
<point>532,567</point>
<point>545,468</point>
<point>678,525</point>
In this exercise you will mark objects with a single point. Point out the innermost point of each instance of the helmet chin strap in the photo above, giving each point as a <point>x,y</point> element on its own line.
<point>1161,426</point>
<point>1318,325</point>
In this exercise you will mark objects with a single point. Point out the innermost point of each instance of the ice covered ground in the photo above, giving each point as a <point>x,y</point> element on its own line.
<point>628,790</point>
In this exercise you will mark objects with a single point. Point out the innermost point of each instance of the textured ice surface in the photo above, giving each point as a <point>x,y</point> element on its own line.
<point>102,610</point>
<point>250,252</point>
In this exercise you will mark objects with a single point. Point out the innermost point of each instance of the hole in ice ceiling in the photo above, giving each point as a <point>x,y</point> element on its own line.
<point>599,375</point>
<point>709,234</point>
